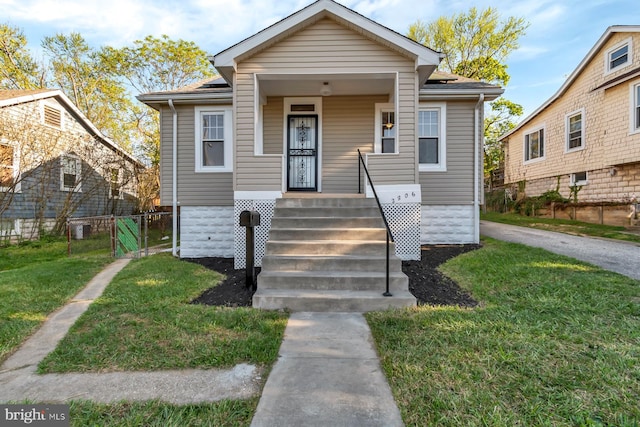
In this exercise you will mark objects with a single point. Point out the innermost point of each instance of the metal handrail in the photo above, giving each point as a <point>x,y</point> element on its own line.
<point>384,218</point>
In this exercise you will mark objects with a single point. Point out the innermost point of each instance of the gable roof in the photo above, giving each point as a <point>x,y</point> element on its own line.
<point>574,75</point>
<point>14,97</point>
<point>425,58</point>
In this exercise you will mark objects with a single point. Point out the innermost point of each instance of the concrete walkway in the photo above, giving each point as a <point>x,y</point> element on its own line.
<point>19,381</point>
<point>614,255</point>
<point>328,374</point>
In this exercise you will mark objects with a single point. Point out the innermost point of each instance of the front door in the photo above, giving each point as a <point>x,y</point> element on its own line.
<point>302,153</point>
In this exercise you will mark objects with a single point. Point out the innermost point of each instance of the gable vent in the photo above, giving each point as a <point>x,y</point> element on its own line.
<point>52,116</point>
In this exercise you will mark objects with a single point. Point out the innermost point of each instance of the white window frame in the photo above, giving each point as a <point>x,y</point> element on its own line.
<point>634,108</point>
<point>607,56</point>
<point>15,166</point>
<point>119,182</point>
<point>228,139</point>
<point>567,131</point>
<point>78,186</point>
<point>15,229</point>
<point>55,107</point>
<point>441,166</point>
<point>384,108</point>
<point>525,148</point>
<point>573,182</point>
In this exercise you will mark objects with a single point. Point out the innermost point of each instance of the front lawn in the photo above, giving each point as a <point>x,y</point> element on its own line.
<point>37,278</point>
<point>555,342</point>
<point>144,321</point>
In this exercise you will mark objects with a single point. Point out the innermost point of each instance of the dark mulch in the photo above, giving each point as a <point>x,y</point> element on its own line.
<point>426,283</point>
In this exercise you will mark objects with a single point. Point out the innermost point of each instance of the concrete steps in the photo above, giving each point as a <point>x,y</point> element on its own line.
<point>329,254</point>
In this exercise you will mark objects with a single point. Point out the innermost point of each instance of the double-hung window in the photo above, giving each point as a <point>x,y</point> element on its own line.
<point>386,129</point>
<point>634,119</point>
<point>432,137</point>
<point>619,56</point>
<point>115,184</point>
<point>213,140</point>
<point>534,145</point>
<point>574,133</point>
<point>70,173</point>
<point>8,167</point>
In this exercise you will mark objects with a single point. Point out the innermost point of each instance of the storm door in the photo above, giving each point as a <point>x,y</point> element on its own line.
<point>302,153</point>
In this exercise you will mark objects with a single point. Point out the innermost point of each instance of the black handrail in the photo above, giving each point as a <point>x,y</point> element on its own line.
<point>384,218</point>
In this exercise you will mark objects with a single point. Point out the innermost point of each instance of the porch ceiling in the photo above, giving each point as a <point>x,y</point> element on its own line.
<point>340,84</point>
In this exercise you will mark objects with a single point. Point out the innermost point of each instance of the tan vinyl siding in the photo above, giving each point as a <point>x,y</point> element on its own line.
<point>348,125</point>
<point>324,47</point>
<point>272,119</point>
<point>455,186</point>
<point>194,189</point>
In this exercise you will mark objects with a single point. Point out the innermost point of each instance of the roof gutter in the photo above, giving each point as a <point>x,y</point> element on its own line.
<point>476,168</point>
<point>174,178</point>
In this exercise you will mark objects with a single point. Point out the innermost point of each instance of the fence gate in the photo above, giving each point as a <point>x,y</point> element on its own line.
<point>128,236</point>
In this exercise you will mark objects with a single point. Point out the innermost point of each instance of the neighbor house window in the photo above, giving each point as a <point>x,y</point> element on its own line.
<point>9,227</point>
<point>431,137</point>
<point>52,116</point>
<point>8,167</point>
<point>70,173</point>
<point>634,119</point>
<point>386,129</point>
<point>575,130</point>
<point>114,184</point>
<point>213,140</point>
<point>619,56</point>
<point>534,145</point>
<point>578,178</point>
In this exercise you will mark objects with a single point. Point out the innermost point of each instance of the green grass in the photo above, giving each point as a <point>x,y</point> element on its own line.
<point>563,226</point>
<point>144,321</point>
<point>34,282</point>
<point>157,414</point>
<point>555,342</point>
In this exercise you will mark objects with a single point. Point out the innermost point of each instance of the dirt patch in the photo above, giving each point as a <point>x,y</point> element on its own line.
<point>426,283</point>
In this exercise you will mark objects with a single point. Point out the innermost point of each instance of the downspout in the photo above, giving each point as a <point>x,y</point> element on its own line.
<point>476,169</point>
<point>174,179</point>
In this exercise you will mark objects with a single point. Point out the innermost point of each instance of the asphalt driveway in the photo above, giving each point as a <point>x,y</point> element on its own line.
<point>613,255</point>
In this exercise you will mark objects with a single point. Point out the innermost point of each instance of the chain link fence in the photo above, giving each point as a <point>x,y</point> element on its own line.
<point>129,236</point>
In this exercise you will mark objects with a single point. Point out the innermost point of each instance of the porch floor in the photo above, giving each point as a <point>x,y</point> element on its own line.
<point>316,195</point>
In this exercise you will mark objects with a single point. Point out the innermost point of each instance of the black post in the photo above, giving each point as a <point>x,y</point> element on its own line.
<point>387,293</point>
<point>250,270</point>
<point>359,182</point>
<point>250,219</point>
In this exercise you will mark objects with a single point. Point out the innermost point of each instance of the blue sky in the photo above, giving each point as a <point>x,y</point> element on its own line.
<point>560,34</point>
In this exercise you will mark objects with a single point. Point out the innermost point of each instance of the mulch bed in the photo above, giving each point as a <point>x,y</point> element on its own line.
<point>426,283</point>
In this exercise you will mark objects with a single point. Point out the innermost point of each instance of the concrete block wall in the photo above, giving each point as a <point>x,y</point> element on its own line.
<point>206,231</point>
<point>448,224</point>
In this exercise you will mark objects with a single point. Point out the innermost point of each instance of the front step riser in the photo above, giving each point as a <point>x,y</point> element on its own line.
<point>298,235</point>
<point>356,305</point>
<point>334,283</point>
<point>326,212</point>
<point>335,202</point>
<point>284,263</point>
<point>329,248</point>
<point>320,223</point>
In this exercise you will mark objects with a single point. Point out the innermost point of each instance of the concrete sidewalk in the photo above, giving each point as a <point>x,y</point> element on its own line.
<point>328,374</point>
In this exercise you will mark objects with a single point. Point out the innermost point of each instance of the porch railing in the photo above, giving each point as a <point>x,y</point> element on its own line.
<point>384,218</point>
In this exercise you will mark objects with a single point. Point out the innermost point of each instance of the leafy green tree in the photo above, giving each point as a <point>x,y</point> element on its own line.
<point>18,68</point>
<point>476,44</point>
<point>83,76</point>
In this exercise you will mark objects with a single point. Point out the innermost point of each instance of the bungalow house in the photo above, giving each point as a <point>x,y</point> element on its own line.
<point>280,130</point>
<point>55,164</point>
<point>588,133</point>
